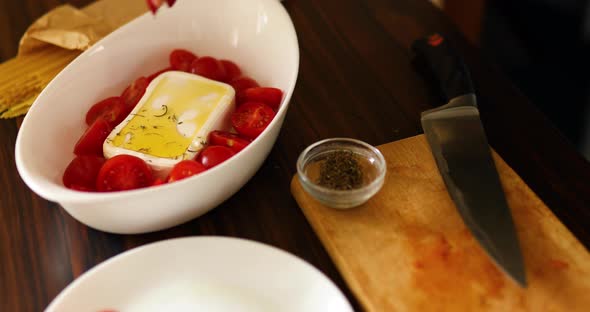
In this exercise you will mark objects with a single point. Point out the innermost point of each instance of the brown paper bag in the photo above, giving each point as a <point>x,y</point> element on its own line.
<point>78,29</point>
<point>52,42</point>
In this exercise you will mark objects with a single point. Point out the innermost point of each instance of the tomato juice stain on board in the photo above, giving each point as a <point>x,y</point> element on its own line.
<point>444,266</point>
<point>559,264</point>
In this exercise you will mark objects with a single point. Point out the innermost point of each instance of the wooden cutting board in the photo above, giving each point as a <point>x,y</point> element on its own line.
<point>407,248</point>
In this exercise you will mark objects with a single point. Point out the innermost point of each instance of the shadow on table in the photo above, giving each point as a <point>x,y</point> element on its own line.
<point>543,45</point>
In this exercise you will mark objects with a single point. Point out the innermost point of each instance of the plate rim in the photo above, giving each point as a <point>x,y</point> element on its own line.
<point>252,244</point>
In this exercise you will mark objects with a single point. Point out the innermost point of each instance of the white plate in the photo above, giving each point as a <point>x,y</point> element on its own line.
<point>203,273</point>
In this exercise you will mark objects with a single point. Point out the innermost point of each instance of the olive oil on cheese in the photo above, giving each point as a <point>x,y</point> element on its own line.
<point>169,120</point>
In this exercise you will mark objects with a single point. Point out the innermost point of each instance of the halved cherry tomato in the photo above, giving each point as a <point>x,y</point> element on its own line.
<point>185,169</point>
<point>269,96</point>
<point>181,59</point>
<point>158,73</point>
<point>81,173</point>
<point>209,67</point>
<point>90,143</point>
<point>231,140</point>
<point>213,155</point>
<point>251,118</point>
<point>158,181</point>
<point>243,83</point>
<point>232,71</point>
<point>123,172</point>
<point>110,109</point>
<point>134,92</point>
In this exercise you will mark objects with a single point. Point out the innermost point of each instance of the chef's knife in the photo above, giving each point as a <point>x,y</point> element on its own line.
<point>458,142</point>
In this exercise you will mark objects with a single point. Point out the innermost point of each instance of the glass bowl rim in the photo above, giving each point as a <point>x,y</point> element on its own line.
<point>382,168</point>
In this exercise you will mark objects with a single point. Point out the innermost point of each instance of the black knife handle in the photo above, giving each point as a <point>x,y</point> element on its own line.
<point>434,55</point>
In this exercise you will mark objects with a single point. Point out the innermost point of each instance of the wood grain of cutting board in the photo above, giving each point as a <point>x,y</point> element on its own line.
<point>407,248</point>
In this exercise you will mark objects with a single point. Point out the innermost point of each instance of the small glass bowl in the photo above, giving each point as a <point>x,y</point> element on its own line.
<point>370,159</point>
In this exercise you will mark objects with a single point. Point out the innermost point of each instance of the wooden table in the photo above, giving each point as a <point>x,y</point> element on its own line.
<point>355,80</point>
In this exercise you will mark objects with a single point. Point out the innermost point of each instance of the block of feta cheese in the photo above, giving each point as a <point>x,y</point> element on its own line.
<point>172,120</point>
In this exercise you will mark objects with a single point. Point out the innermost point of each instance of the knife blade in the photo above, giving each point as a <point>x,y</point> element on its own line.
<point>458,143</point>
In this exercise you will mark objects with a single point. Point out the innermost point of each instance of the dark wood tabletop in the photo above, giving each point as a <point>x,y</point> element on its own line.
<point>355,80</point>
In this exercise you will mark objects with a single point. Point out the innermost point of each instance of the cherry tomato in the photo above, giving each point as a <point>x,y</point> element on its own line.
<point>110,109</point>
<point>123,172</point>
<point>185,169</point>
<point>154,5</point>
<point>232,71</point>
<point>251,118</point>
<point>213,155</point>
<point>134,92</point>
<point>181,59</point>
<point>158,73</point>
<point>209,67</point>
<point>158,181</point>
<point>228,139</point>
<point>243,83</point>
<point>90,143</point>
<point>81,173</point>
<point>269,96</point>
